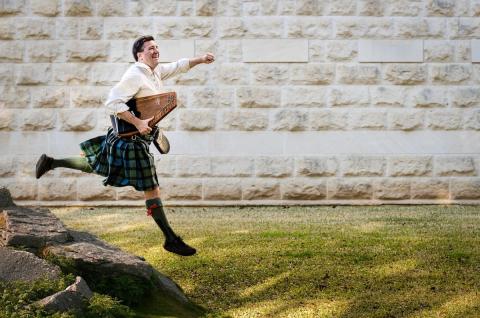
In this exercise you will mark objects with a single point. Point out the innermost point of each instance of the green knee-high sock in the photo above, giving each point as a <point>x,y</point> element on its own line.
<point>77,163</point>
<point>156,207</point>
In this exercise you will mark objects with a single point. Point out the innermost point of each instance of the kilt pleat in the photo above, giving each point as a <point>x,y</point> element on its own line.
<point>124,162</point>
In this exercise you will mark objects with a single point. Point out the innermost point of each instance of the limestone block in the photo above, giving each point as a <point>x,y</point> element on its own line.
<point>274,167</point>
<point>472,120</point>
<point>196,119</point>
<point>48,97</point>
<point>261,190</point>
<point>264,27</point>
<point>194,28</point>
<point>429,97</point>
<point>129,193</point>
<point>11,52</point>
<point>166,166</point>
<point>7,29</point>
<point>440,8</point>
<point>270,74</point>
<point>357,166</point>
<point>463,52</point>
<point>181,189</point>
<point>388,189</point>
<point>451,73</point>
<point>93,190</point>
<point>303,97</point>
<point>349,189</point>
<point>390,51</point>
<point>50,189</point>
<point>198,76</point>
<point>380,28</point>
<point>120,51</point>
<point>125,29</point>
<point>88,96</point>
<point>229,166</point>
<point>169,123</point>
<point>212,98</point>
<point>464,28</point>
<point>244,120</point>
<point>405,74</point>
<point>371,7</point>
<point>454,166</point>
<point>185,8</point>
<point>251,9</point>
<point>348,96</point>
<point>91,29</point>
<point>309,27</point>
<point>368,119</point>
<point>25,166</point>
<point>258,97</point>
<point>316,166</point>
<point>200,46</point>
<point>205,7</point>
<point>233,74</point>
<point>405,7</point>
<point>308,7</point>
<point>78,119</point>
<point>229,8</point>
<point>75,8</point>
<point>222,189</point>
<point>388,96</point>
<point>39,119</point>
<point>406,120</point>
<point>312,74</point>
<point>35,28</point>
<point>465,96</point>
<point>33,74</point>
<point>21,188</point>
<point>231,28</point>
<point>6,74</point>
<point>429,189</point>
<point>357,74</point>
<point>71,74</point>
<point>269,7</point>
<point>328,120</point>
<point>317,51</point>
<point>444,120</point>
<point>49,8</point>
<point>407,166</point>
<point>7,166</point>
<point>465,188</point>
<point>188,166</point>
<point>66,28</point>
<point>341,50</point>
<point>14,97</point>
<point>418,27</point>
<point>107,74</point>
<point>439,51</point>
<point>303,189</point>
<point>157,7</point>
<point>112,8</point>
<point>7,120</point>
<point>475,8</point>
<point>87,51</point>
<point>341,7</point>
<point>12,7</point>
<point>44,51</point>
<point>475,44</point>
<point>291,120</point>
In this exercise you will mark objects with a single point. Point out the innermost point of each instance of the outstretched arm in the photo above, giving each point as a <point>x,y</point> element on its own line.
<point>207,59</point>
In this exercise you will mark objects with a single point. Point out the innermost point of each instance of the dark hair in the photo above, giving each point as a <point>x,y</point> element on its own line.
<point>138,45</point>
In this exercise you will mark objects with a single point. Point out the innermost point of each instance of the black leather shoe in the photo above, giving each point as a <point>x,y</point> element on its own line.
<point>161,143</point>
<point>44,164</point>
<point>178,246</point>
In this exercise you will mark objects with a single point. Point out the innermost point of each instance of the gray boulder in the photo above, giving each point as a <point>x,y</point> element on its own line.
<point>80,286</point>
<point>24,266</point>
<point>5,198</point>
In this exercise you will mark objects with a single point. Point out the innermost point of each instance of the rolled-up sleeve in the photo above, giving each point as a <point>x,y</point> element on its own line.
<point>121,93</point>
<point>170,69</point>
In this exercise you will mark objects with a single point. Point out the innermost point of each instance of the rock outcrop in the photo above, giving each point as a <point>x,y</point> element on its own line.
<point>106,269</point>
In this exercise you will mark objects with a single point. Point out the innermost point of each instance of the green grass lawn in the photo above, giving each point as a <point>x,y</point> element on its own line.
<point>382,261</point>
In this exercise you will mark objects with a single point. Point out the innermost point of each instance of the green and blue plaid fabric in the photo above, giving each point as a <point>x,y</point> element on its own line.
<point>124,162</point>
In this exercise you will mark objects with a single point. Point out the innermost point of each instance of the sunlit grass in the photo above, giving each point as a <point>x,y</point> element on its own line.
<point>384,261</point>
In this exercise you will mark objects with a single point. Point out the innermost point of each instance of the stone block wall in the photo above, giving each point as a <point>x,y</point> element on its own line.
<point>308,102</point>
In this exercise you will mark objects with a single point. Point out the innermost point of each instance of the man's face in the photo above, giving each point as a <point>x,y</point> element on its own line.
<point>150,54</point>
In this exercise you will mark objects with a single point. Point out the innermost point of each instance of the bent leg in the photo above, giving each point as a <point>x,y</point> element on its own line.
<point>46,163</point>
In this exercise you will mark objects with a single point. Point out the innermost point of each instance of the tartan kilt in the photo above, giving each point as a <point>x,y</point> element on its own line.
<point>124,162</point>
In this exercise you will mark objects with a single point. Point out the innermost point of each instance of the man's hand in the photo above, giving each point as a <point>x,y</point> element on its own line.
<point>142,126</point>
<point>208,58</point>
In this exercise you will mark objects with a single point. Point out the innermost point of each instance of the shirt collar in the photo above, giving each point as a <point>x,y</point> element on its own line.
<point>144,66</point>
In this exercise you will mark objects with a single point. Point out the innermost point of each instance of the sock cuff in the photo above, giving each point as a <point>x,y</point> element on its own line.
<point>154,201</point>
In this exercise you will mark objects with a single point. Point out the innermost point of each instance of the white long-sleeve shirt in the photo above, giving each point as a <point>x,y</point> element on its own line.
<point>140,81</point>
